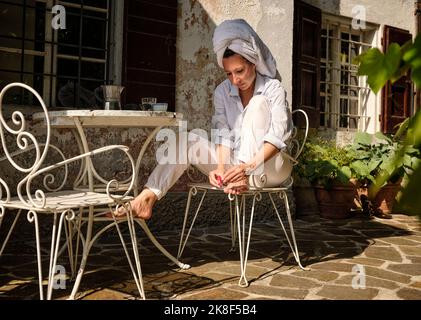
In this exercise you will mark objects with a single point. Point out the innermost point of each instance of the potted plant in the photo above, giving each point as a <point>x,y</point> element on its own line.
<point>374,156</point>
<point>327,167</point>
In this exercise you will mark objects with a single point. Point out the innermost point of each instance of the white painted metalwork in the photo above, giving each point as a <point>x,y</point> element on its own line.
<point>78,120</point>
<point>238,219</point>
<point>62,204</point>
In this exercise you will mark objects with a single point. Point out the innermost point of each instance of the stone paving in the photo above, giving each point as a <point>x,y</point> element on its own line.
<point>349,259</point>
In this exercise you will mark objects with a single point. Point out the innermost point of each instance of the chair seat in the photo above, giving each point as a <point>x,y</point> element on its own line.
<point>62,200</point>
<point>252,190</point>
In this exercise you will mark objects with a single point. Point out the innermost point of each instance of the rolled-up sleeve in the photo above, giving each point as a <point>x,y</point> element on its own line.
<point>221,133</point>
<point>281,120</point>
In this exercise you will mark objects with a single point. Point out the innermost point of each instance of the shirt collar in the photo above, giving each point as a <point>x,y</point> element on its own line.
<point>258,87</point>
<point>260,84</point>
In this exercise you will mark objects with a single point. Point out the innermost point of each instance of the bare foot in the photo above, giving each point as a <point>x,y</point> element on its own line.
<point>141,206</point>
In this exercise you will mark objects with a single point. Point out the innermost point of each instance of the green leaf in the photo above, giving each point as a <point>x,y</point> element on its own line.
<point>412,54</point>
<point>373,164</point>
<point>363,138</point>
<point>346,171</point>
<point>411,150</point>
<point>416,75</point>
<point>407,161</point>
<point>360,168</point>
<point>416,129</point>
<point>402,71</point>
<point>411,199</point>
<point>379,135</point>
<point>379,67</point>
<point>390,165</point>
<point>403,126</point>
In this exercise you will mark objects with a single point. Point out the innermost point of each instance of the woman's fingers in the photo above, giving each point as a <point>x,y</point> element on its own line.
<point>237,187</point>
<point>234,174</point>
<point>212,179</point>
<point>215,179</point>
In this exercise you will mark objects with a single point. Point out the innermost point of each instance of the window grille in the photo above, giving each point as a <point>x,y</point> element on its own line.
<point>65,65</point>
<point>343,94</point>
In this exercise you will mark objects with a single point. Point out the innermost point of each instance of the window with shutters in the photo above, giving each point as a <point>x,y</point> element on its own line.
<point>64,65</point>
<point>343,94</point>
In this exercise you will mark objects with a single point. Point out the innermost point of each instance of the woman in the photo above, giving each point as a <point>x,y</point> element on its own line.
<point>250,125</point>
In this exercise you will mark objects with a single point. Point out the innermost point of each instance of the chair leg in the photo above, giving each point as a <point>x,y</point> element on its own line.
<point>151,237</point>
<point>79,237</point>
<point>33,218</point>
<point>85,253</point>
<point>233,225</point>
<point>68,229</point>
<point>136,276</point>
<point>293,245</point>
<point>183,241</point>
<point>12,227</point>
<point>69,215</point>
<point>72,229</point>
<point>242,244</point>
<point>55,242</point>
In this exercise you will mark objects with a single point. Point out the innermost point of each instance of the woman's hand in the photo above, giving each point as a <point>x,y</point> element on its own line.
<point>235,174</point>
<point>237,187</point>
<point>215,177</point>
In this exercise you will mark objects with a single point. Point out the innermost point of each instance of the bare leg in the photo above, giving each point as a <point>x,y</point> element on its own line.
<point>142,205</point>
<point>200,152</point>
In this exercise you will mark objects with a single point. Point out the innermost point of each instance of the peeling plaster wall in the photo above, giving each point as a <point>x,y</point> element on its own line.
<point>197,70</point>
<point>397,13</point>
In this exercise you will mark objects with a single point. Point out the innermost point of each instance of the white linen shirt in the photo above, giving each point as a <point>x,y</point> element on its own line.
<point>229,113</point>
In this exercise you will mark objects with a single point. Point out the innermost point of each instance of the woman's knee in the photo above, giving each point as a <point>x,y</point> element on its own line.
<point>259,103</point>
<point>257,114</point>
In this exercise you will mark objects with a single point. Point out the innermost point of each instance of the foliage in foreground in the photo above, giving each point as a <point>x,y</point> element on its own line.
<point>380,68</point>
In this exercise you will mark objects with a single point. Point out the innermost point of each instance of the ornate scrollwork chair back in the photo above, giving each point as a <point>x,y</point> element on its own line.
<point>51,193</point>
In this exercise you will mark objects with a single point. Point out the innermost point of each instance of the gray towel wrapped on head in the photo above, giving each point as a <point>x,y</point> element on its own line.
<point>240,37</point>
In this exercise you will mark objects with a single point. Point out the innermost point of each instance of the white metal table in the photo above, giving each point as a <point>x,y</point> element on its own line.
<point>78,120</point>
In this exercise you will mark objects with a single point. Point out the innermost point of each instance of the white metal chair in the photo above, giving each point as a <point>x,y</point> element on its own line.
<point>238,218</point>
<point>69,209</point>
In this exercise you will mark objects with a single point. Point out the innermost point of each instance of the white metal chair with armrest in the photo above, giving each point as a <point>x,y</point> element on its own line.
<point>61,204</point>
<point>295,148</point>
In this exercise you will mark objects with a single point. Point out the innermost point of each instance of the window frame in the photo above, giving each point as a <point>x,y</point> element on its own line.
<point>330,88</point>
<point>50,45</point>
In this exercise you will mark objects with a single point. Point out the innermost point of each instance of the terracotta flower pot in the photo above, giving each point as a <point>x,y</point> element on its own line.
<point>385,198</point>
<point>305,200</point>
<point>335,202</point>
